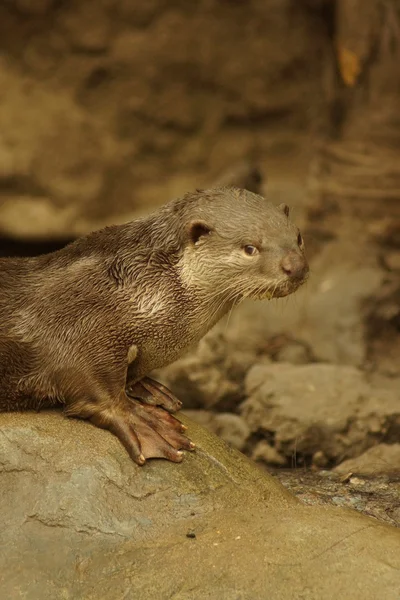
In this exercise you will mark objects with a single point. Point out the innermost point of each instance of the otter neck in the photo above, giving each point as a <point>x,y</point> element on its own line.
<point>204,294</point>
<point>210,307</point>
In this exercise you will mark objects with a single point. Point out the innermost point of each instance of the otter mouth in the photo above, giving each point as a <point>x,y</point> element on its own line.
<point>279,289</point>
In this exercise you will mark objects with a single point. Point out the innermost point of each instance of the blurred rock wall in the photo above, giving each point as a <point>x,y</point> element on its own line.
<point>112,105</point>
<point>357,171</point>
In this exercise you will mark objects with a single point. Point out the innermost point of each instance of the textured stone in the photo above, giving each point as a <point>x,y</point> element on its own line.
<point>264,452</point>
<point>318,408</point>
<point>212,375</point>
<point>78,519</point>
<point>230,428</point>
<point>379,460</point>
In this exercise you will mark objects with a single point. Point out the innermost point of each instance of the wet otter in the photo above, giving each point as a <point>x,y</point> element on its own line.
<point>83,326</point>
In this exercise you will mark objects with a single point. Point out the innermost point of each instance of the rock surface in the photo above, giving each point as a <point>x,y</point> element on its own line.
<point>80,520</point>
<point>321,411</point>
<point>289,414</point>
<point>383,459</point>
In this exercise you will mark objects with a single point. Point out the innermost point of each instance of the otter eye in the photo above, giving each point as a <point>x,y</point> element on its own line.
<point>250,250</point>
<point>299,240</point>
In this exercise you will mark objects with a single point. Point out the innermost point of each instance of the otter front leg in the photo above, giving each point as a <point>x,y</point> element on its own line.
<point>148,390</point>
<point>145,431</point>
<point>152,392</point>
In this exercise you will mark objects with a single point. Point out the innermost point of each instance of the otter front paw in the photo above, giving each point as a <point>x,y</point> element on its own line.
<point>154,393</point>
<point>149,432</point>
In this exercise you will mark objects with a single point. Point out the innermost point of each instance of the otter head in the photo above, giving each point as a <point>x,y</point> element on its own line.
<point>238,245</point>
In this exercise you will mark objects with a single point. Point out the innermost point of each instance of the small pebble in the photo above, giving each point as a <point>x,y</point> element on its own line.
<point>319,459</point>
<point>357,481</point>
<point>346,478</point>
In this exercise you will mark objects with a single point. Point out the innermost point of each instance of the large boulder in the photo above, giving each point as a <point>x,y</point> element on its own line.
<point>78,519</point>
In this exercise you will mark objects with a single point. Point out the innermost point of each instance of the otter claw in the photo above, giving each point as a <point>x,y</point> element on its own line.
<point>154,393</point>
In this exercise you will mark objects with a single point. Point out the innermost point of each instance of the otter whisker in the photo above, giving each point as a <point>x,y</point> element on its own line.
<point>226,300</point>
<point>229,315</point>
<point>231,294</point>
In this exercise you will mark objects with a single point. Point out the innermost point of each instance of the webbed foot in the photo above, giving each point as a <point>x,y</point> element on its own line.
<point>153,393</point>
<point>148,431</point>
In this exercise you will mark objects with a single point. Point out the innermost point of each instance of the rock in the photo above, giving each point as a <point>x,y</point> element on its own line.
<point>294,353</point>
<point>391,260</point>
<point>379,460</point>
<point>211,376</point>
<point>74,23</point>
<point>38,7</point>
<point>201,385</point>
<point>80,520</point>
<point>356,481</point>
<point>266,453</point>
<point>382,315</point>
<point>314,408</point>
<point>41,218</point>
<point>231,428</point>
<point>244,174</point>
<point>51,158</point>
<point>319,459</point>
<point>202,417</point>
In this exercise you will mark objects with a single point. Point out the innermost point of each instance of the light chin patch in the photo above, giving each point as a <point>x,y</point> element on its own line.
<point>278,290</point>
<point>262,296</point>
<point>268,294</point>
<point>287,288</point>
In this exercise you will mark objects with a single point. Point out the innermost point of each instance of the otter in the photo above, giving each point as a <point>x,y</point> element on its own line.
<point>83,326</point>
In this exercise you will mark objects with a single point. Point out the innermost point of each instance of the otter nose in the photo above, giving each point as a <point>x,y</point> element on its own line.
<point>294,265</point>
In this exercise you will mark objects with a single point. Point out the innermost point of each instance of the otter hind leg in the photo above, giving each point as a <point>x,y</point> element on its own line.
<point>154,393</point>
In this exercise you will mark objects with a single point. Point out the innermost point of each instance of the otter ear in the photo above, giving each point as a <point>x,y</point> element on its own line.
<point>284,208</point>
<point>197,230</point>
